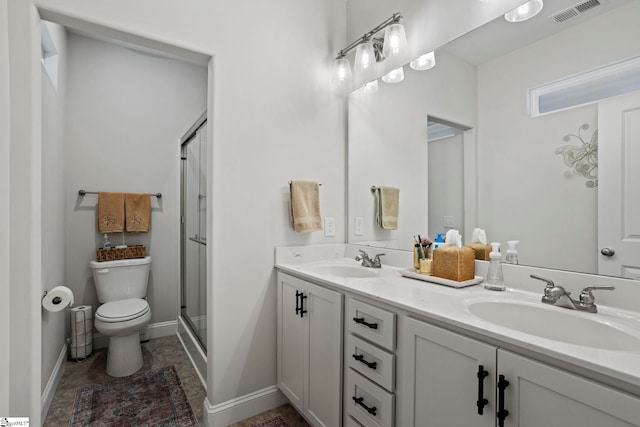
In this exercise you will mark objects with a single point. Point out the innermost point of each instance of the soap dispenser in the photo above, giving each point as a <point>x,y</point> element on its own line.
<point>512,253</point>
<point>495,279</point>
<point>107,243</point>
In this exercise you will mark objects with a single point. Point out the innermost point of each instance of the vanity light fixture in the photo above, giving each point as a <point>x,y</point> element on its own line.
<point>394,76</point>
<point>424,62</point>
<point>525,11</point>
<point>371,50</point>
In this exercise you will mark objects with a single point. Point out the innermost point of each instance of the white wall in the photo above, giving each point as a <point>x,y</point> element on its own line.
<point>520,178</point>
<point>126,112</point>
<point>5,164</point>
<point>24,200</point>
<point>274,119</point>
<point>53,199</point>
<point>384,150</point>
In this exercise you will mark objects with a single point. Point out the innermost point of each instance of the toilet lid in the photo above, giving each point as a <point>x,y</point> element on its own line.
<point>123,310</point>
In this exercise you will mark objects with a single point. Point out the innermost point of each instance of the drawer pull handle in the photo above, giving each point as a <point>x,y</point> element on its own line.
<point>361,321</point>
<point>360,358</point>
<point>300,308</point>
<point>502,413</point>
<point>482,402</point>
<point>359,400</point>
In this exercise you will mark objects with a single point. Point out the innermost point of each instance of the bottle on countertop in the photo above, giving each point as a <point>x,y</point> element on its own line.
<point>495,279</point>
<point>512,253</point>
<point>107,243</point>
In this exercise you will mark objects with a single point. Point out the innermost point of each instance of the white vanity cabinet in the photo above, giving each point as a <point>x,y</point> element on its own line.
<point>370,343</point>
<point>310,349</point>
<point>444,384</point>
<point>541,395</point>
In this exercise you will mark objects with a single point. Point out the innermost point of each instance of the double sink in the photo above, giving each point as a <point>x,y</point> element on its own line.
<point>518,311</point>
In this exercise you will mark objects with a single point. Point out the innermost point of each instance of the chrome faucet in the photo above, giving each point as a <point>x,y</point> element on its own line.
<point>558,296</point>
<point>368,262</point>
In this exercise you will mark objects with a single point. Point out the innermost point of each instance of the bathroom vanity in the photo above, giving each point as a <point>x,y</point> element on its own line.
<point>372,348</point>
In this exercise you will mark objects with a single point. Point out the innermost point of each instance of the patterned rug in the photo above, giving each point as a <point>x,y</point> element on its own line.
<point>150,398</point>
<point>276,421</point>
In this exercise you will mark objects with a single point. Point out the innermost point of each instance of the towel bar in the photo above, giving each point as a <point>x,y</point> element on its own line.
<point>82,193</point>
<point>318,183</point>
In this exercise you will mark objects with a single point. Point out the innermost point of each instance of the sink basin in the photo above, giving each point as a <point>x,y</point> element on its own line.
<point>345,270</point>
<point>558,324</point>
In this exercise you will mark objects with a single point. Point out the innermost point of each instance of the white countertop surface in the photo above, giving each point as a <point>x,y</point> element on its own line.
<point>449,306</point>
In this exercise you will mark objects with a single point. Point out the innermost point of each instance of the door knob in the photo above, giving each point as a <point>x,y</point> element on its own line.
<point>607,251</point>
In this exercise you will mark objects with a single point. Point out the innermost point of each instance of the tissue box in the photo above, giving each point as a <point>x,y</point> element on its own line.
<point>454,263</point>
<point>481,250</point>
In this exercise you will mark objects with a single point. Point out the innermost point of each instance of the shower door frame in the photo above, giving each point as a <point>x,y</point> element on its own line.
<point>184,141</point>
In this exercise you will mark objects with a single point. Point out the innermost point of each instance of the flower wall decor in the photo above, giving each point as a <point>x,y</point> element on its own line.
<point>583,159</point>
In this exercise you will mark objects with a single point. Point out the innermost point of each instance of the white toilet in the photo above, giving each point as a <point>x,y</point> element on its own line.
<point>121,286</point>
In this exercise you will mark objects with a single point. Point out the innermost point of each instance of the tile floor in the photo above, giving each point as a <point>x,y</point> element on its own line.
<point>156,353</point>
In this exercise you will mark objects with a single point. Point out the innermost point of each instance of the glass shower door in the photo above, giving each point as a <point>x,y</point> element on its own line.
<point>193,231</point>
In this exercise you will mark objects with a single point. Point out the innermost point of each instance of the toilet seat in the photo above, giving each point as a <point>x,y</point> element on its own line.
<point>122,310</point>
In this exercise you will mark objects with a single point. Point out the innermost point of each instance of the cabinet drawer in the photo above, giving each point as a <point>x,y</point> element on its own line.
<point>372,323</point>
<point>368,403</point>
<point>372,362</point>
<point>351,422</point>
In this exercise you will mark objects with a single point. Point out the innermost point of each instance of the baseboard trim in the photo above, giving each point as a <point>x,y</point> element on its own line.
<point>242,407</point>
<point>52,384</point>
<point>154,330</point>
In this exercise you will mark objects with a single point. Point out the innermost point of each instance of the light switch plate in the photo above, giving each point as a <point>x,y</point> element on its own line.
<point>329,226</point>
<point>358,226</point>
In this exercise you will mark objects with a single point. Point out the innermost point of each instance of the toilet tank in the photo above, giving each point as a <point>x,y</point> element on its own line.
<point>121,279</point>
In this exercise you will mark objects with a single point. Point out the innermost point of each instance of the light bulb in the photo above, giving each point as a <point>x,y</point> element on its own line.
<point>365,63</point>
<point>394,76</point>
<point>395,42</point>
<point>424,62</point>
<point>525,11</point>
<point>342,70</point>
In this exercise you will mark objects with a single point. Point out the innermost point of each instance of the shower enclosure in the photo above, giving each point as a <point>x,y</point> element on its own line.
<point>193,240</point>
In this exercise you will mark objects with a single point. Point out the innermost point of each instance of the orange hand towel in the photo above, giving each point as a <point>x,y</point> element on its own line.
<point>305,206</point>
<point>110,212</point>
<point>138,212</point>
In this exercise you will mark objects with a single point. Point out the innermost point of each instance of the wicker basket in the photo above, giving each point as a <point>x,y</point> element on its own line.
<point>112,254</point>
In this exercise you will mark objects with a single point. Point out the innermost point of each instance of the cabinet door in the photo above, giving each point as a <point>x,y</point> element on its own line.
<point>539,395</point>
<point>292,340</point>
<point>324,385</point>
<point>440,384</point>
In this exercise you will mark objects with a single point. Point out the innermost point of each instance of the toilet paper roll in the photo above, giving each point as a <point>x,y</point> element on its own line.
<point>57,299</point>
<point>81,352</point>
<point>81,313</point>
<point>81,327</point>
<point>81,339</point>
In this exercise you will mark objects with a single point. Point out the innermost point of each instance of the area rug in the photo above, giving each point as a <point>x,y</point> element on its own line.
<point>150,398</point>
<point>276,421</point>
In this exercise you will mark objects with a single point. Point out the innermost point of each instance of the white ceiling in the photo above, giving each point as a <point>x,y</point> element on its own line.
<point>500,37</point>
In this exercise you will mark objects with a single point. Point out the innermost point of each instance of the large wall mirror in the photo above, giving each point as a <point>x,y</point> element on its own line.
<point>460,143</point>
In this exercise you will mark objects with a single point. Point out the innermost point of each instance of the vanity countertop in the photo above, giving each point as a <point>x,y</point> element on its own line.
<point>450,307</point>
